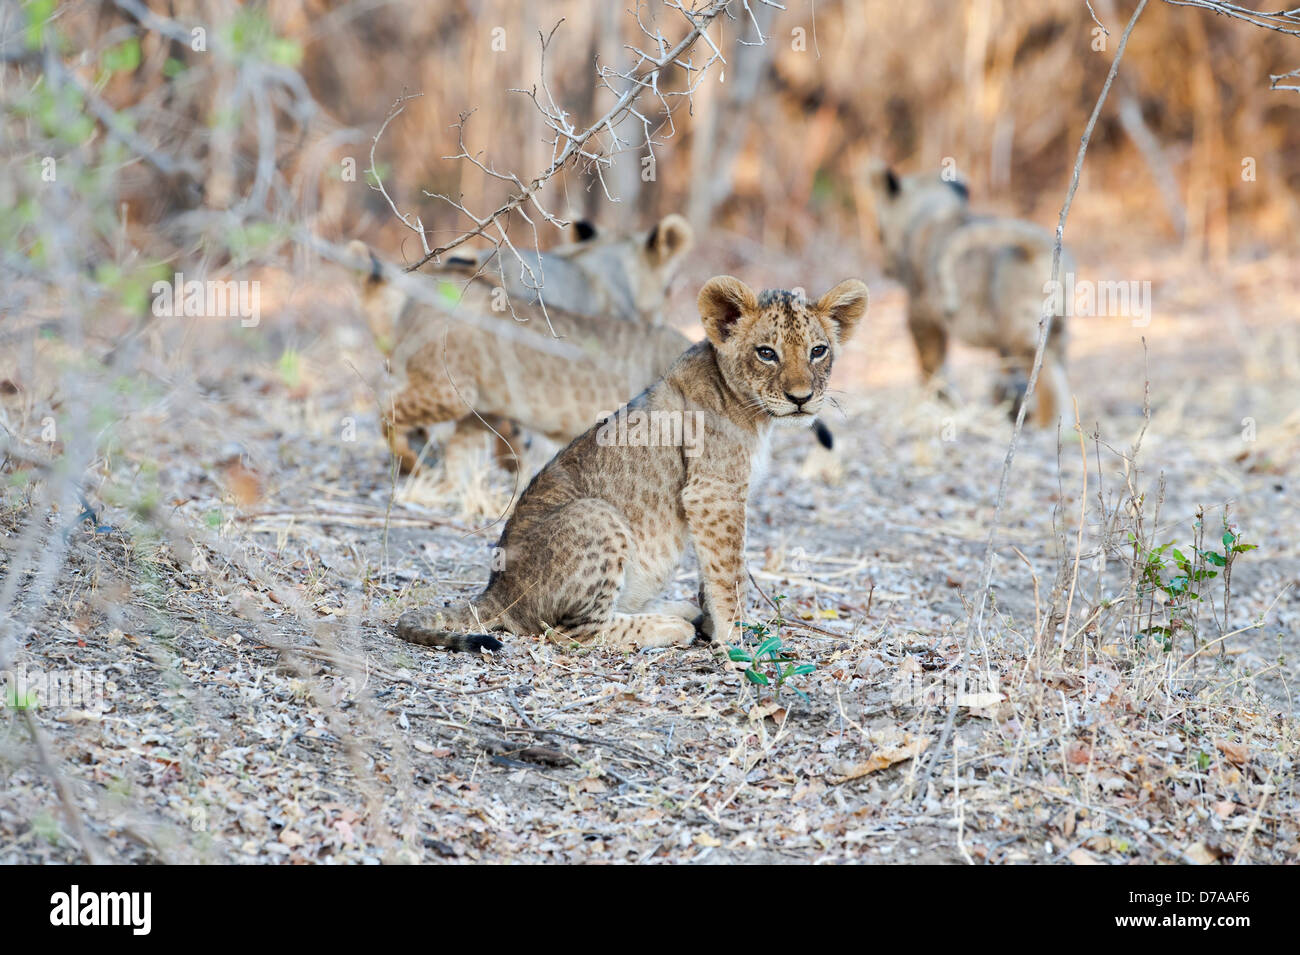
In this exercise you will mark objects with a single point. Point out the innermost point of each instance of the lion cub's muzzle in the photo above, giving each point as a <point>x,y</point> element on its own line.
<point>794,409</point>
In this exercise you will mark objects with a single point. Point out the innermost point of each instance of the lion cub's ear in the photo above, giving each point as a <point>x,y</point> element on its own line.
<point>844,306</point>
<point>360,253</point>
<point>669,239</point>
<point>724,302</point>
<point>883,179</point>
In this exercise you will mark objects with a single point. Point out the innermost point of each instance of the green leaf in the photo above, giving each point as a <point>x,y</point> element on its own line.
<point>125,57</point>
<point>739,656</point>
<point>285,52</point>
<point>449,292</point>
<point>1216,559</point>
<point>804,669</point>
<point>1229,538</point>
<point>770,645</point>
<point>38,12</point>
<point>755,677</point>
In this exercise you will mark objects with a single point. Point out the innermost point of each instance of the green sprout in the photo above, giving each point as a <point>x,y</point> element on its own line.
<point>770,662</point>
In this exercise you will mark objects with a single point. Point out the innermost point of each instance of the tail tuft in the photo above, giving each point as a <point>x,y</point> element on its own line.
<point>436,629</point>
<point>474,642</point>
<point>824,436</point>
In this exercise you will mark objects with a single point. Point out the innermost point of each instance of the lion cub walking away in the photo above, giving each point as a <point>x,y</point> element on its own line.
<point>981,279</point>
<point>603,527</point>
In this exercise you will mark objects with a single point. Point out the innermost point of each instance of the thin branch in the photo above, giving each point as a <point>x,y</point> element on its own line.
<point>975,622</point>
<point>642,76</point>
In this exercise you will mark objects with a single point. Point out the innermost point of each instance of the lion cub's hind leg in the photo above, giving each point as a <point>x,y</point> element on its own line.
<point>931,340</point>
<point>592,546</point>
<point>422,404</point>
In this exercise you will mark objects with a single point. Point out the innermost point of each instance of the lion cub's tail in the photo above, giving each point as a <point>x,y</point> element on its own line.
<point>447,628</point>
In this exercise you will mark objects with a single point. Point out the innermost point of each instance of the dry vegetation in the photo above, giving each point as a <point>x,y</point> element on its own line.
<point>204,517</point>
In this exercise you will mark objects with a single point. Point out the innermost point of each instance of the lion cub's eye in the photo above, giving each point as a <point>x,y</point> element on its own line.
<point>765,353</point>
<point>818,351</point>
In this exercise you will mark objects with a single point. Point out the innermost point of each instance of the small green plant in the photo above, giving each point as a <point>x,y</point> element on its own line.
<point>290,368</point>
<point>1170,584</point>
<point>770,663</point>
<point>14,700</point>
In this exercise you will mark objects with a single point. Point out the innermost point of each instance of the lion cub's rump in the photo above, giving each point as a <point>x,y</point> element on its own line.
<point>980,279</point>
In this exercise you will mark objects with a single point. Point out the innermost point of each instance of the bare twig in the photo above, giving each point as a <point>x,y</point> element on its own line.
<point>573,144</point>
<point>975,622</point>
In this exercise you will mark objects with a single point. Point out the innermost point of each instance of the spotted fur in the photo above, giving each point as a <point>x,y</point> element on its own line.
<point>450,371</point>
<point>602,528</point>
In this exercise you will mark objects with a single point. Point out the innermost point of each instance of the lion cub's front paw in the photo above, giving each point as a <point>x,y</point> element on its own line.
<point>703,629</point>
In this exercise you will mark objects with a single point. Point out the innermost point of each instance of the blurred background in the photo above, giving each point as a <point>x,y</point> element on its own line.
<point>775,146</point>
<point>1194,152</point>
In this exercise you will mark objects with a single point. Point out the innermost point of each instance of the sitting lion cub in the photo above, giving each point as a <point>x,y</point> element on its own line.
<point>601,529</point>
<point>981,279</point>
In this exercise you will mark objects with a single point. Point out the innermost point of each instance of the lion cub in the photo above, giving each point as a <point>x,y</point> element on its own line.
<point>981,279</point>
<point>601,529</point>
<point>598,273</point>
<point>454,371</point>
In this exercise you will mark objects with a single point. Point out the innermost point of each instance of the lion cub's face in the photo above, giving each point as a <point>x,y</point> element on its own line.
<point>634,270</point>
<point>902,201</point>
<point>381,302</point>
<point>776,348</point>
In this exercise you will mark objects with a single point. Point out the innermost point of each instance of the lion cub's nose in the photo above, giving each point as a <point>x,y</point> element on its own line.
<point>797,399</point>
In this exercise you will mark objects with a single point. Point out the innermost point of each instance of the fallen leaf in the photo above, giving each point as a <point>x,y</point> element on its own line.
<point>1084,857</point>
<point>1236,753</point>
<point>886,756</point>
<point>774,710</point>
<point>980,700</point>
<point>1078,754</point>
<point>1200,854</point>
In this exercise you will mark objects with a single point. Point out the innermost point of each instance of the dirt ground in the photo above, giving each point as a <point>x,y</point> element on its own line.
<point>249,544</point>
